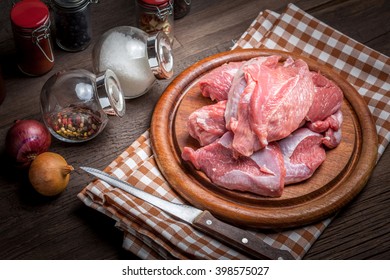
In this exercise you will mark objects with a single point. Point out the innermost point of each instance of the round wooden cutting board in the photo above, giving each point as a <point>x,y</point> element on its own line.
<point>340,178</point>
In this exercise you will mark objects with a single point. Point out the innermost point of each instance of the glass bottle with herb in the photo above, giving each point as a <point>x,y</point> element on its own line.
<point>74,106</point>
<point>73,23</point>
<point>155,15</point>
<point>31,29</point>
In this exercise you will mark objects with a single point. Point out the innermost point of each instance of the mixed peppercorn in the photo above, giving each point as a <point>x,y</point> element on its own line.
<point>75,123</point>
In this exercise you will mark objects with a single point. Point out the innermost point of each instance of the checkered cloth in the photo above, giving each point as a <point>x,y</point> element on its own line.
<point>151,234</point>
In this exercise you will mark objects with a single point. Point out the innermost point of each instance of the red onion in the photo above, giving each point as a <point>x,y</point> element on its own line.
<point>25,140</point>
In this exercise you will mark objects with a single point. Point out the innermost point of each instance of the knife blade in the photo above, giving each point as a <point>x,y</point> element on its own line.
<point>240,239</point>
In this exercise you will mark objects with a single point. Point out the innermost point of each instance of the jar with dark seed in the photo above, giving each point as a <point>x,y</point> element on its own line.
<point>72,21</point>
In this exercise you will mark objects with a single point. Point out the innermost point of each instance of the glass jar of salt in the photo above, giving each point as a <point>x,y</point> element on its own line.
<point>75,104</point>
<point>137,58</point>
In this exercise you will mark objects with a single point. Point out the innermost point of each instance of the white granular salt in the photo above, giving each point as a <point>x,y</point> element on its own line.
<point>126,56</point>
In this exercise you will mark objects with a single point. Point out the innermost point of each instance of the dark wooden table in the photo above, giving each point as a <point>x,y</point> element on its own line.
<point>35,227</point>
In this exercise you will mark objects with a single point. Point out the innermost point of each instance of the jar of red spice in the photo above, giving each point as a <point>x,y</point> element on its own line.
<point>155,15</point>
<point>31,29</point>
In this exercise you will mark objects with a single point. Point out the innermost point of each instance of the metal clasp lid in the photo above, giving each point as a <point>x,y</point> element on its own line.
<point>161,13</point>
<point>40,33</point>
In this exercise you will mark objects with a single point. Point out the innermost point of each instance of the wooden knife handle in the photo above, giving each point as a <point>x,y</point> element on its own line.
<point>241,239</point>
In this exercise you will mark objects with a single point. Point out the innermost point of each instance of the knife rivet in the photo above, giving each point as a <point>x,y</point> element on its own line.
<point>244,240</point>
<point>209,222</point>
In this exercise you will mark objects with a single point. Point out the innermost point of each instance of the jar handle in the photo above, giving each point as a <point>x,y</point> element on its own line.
<point>51,51</point>
<point>45,35</point>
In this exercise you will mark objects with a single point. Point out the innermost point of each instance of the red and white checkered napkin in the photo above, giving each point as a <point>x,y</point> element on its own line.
<point>152,234</point>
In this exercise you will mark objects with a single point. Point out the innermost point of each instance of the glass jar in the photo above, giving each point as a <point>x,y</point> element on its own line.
<point>181,8</point>
<point>73,24</point>
<point>30,20</point>
<point>74,107</point>
<point>155,15</point>
<point>137,58</point>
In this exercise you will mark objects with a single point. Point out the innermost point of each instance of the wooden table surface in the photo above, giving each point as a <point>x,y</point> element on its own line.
<point>35,227</point>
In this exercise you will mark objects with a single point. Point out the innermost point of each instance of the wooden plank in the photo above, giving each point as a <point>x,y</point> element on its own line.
<point>35,228</point>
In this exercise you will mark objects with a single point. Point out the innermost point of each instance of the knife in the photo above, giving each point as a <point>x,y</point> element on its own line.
<point>240,239</point>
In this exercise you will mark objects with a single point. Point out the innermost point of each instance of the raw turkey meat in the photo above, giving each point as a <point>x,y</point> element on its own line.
<point>237,114</point>
<point>281,99</point>
<point>262,173</point>
<point>325,114</point>
<point>245,141</point>
<point>216,83</point>
<point>333,133</point>
<point>270,130</point>
<point>327,98</point>
<point>330,127</point>
<point>239,83</point>
<point>303,153</point>
<point>207,124</point>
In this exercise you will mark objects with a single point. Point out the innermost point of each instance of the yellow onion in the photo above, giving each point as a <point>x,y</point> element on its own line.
<point>49,173</point>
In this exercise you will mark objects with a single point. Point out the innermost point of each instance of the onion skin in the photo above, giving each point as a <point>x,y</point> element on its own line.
<point>49,173</point>
<point>25,140</point>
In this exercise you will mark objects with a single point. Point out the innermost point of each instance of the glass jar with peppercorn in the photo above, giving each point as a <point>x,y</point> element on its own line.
<point>72,21</point>
<point>75,108</point>
<point>30,22</point>
<point>155,15</point>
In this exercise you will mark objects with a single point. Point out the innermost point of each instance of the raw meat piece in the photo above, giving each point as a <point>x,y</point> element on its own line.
<point>281,99</point>
<point>303,153</point>
<point>266,145</point>
<point>327,98</point>
<point>216,83</point>
<point>263,173</point>
<point>245,141</point>
<point>333,133</point>
<point>207,124</point>
<point>332,138</point>
<point>333,121</point>
<point>239,83</point>
<point>325,115</point>
<point>330,127</point>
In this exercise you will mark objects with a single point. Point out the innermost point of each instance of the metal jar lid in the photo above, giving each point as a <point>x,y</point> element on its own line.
<point>73,4</point>
<point>160,56</point>
<point>161,8</point>
<point>113,90</point>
